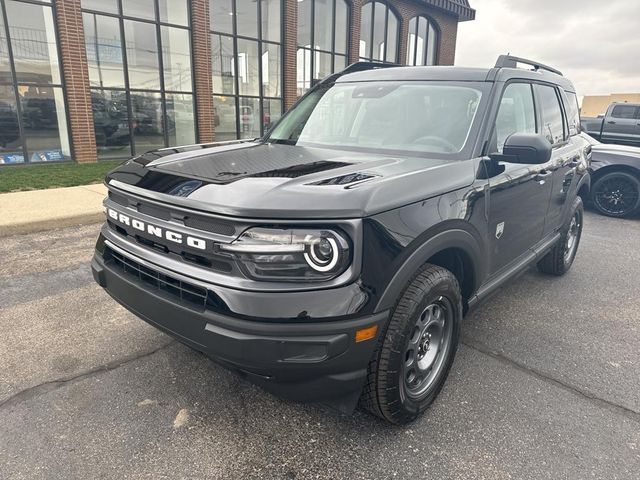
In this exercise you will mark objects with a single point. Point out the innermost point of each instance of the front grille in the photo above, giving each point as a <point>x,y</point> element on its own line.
<point>193,220</point>
<point>187,294</point>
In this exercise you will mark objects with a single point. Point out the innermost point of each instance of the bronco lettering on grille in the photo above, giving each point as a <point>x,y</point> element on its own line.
<point>159,232</point>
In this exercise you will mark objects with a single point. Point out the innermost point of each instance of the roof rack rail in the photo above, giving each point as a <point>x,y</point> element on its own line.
<point>357,67</point>
<point>508,61</point>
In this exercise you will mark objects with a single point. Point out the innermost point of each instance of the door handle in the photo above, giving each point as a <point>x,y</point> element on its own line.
<point>611,122</point>
<point>542,176</point>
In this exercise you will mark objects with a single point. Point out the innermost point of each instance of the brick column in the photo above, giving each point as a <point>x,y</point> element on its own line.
<point>202,70</point>
<point>354,30</point>
<point>76,80</point>
<point>290,47</point>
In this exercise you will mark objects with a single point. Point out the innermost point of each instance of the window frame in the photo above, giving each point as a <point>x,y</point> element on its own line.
<point>260,41</point>
<point>430,24</point>
<point>565,124</point>
<point>157,23</point>
<point>15,84</point>
<point>312,50</point>
<point>636,111</point>
<point>388,9</point>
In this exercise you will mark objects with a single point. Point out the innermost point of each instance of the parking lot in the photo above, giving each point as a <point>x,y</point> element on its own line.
<point>545,385</point>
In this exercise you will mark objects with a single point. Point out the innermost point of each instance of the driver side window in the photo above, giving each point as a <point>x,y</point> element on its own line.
<point>517,113</point>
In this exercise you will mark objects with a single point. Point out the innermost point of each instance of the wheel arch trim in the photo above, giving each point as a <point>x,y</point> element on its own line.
<point>454,238</point>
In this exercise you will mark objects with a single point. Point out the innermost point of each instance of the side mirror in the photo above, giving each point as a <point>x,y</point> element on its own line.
<point>527,148</point>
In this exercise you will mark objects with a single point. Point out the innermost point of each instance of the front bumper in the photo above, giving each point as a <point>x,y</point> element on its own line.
<point>303,360</point>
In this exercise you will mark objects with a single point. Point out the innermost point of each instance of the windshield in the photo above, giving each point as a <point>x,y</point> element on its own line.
<point>410,116</point>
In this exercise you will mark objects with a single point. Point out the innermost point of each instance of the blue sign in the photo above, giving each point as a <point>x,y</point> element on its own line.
<point>11,158</point>
<point>47,156</point>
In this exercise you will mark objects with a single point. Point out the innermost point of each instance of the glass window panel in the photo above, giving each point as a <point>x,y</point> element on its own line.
<point>340,63</point>
<point>411,42</point>
<point>109,6</point>
<point>174,11</point>
<point>180,119</point>
<point>249,117</point>
<point>272,113</point>
<point>221,16</point>
<point>33,40</point>
<point>421,41</point>
<point>5,66</point>
<point>111,123</point>
<point>139,8</point>
<point>432,45</point>
<point>247,18</point>
<point>303,74</point>
<point>224,118</point>
<point>392,38</point>
<point>176,59</point>
<point>271,70</point>
<point>552,121</point>
<point>142,55</point>
<point>10,139</point>
<point>365,31</point>
<point>271,20</point>
<point>104,50</point>
<point>304,23</point>
<point>323,19</point>
<point>146,121</point>
<point>322,65</point>
<point>342,19</point>
<point>222,64</point>
<point>44,123</point>
<point>516,114</point>
<point>379,15</point>
<point>248,69</point>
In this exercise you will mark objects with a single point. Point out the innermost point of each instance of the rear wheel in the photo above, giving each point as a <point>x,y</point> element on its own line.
<point>560,258</point>
<point>616,194</point>
<point>413,359</point>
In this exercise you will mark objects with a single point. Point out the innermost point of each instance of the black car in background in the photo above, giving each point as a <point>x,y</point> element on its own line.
<point>615,178</point>
<point>9,130</point>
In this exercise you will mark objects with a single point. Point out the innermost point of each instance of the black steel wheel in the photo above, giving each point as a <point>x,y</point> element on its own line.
<point>616,194</point>
<point>559,259</point>
<point>416,351</point>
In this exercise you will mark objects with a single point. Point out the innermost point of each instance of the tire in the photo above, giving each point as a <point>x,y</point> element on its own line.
<point>616,194</point>
<point>560,258</point>
<point>428,311</point>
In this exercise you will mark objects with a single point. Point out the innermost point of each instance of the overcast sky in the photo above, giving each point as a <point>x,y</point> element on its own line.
<point>595,43</point>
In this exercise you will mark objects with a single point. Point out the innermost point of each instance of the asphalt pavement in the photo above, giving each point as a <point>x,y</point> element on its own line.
<point>545,385</point>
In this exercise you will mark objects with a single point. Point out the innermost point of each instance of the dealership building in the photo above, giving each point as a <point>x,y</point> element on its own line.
<point>87,80</point>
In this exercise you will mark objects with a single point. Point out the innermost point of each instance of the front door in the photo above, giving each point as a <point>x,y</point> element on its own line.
<point>519,195</point>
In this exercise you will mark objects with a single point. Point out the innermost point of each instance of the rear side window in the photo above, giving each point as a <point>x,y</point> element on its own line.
<point>517,113</point>
<point>573,113</point>
<point>624,111</point>
<point>552,121</point>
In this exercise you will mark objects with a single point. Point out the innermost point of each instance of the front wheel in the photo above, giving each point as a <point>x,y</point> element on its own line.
<point>616,194</point>
<point>414,357</point>
<point>560,258</point>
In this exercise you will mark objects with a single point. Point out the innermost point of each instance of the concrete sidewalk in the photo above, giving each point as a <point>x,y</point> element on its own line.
<point>38,210</point>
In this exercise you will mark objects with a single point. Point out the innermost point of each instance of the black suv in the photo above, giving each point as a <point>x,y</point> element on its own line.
<point>333,260</point>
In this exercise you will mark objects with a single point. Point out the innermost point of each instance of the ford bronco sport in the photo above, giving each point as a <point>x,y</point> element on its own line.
<point>334,259</point>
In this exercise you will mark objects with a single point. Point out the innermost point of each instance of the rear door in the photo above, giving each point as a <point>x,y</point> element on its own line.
<point>621,125</point>
<point>567,152</point>
<point>519,194</point>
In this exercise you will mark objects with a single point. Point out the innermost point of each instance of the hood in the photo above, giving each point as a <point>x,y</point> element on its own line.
<point>616,149</point>
<point>261,180</point>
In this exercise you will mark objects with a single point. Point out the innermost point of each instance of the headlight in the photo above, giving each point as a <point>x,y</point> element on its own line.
<point>290,255</point>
